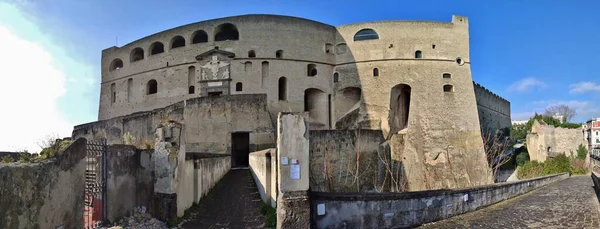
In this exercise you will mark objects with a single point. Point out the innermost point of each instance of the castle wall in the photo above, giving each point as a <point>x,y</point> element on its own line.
<point>548,141</point>
<point>493,110</point>
<point>209,123</point>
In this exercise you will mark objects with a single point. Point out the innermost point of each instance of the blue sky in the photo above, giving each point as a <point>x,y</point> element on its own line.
<point>533,53</point>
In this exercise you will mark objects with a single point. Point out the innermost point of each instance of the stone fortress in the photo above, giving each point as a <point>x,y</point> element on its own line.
<point>227,79</point>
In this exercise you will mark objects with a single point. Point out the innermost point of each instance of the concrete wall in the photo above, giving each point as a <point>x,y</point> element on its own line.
<point>263,165</point>
<point>130,180</point>
<point>547,141</point>
<point>200,174</point>
<point>411,209</point>
<point>209,124</point>
<point>338,157</point>
<point>48,194</point>
<point>494,111</point>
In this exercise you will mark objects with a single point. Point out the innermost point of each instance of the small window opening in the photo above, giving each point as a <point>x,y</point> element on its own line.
<point>113,93</point>
<point>448,88</point>
<point>156,48</point>
<point>251,54</point>
<point>375,71</point>
<point>312,70</point>
<point>116,64</point>
<point>328,48</point>
<point>177,42</point>
<point>459,61</point>
<point>152,87</point>
<point>336,77</point>
<point>282,89</point>
<point>433,46</point>
<point>279,54</point>
<point>418,54</point>
<point>447,76</point>
<point>238,86</point>
<point>191,90</point>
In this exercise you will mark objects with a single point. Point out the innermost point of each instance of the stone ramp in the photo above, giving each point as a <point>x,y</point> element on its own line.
<point>570,203</point>
<point>234,202</point>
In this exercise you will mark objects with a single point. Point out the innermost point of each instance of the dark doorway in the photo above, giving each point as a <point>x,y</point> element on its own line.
<point>240,149</point>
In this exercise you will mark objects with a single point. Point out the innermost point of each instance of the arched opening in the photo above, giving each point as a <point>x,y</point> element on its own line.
<point>199,37</point>
<point>448,88</point>
<point>136,54</point>
<point>418,54</point>
<point>282,89</point>
<point>191,80</point>
<point>129,88</point>
<point>336,77</point>
<point>152,87</point>
<point>113,93</point>
<point>247,66</point>
<point>177,42</point>
<point>399,107</point>
<point>311,70</point>
<point>447,76</point>
<point>347,100</point>
<point>226,31</point>
<point>315,102</point>
<point>238,86</point>
<point>366,34</point>
<point>251,54</point>
<point>279,54</point>
<point>116,64</point>
<point>375,71</point>
<point>329,48</point>
<point>156,48</point>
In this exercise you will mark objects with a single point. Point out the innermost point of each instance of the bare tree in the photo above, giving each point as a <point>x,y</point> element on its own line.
<point>563,110</point>
<point>496,150</point>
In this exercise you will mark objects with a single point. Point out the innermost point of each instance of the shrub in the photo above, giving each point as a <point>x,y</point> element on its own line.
<point>7,159</point>
<point>581,152</point>
<point>24,157</point>
<point>558,164</point>
<point>523,157</point>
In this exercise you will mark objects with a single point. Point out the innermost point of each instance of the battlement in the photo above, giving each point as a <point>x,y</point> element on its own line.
<point>478,86</point>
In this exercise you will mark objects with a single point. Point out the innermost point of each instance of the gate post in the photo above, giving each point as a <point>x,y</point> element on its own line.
<point>293,204</point>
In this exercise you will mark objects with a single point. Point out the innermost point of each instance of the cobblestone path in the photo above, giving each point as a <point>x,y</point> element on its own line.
<point>571,203</point>
<point>233,203</point>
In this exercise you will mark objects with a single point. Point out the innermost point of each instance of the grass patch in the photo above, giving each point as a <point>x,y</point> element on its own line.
<point>270,214</point>
<point>554,165</point>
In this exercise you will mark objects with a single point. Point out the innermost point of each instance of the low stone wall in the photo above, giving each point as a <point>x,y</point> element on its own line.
<point>130,180</point>
<point>409,209</point>
<point>263,165</point>
<point>201,172</point>
<point>48,194</point>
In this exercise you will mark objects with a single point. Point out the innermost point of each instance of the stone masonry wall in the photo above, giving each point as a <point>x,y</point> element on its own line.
<point>493,110</point>
<point>410,209</point>
<point>547,141</point>
<point>263,165</point>
<point>344,160</point>
<point>48,194</point>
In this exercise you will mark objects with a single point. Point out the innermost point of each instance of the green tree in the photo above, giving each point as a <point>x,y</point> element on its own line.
<point>581,152</point>
<point>518,132</point>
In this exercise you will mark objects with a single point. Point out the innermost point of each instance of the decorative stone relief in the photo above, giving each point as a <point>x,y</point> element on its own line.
<point>215,69</point>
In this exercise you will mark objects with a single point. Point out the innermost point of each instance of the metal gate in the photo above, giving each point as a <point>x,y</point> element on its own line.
<point>94,212</point>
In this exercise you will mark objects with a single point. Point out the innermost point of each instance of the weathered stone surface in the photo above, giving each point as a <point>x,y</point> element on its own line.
<point>548,141</point>
<point>293,210</point>
<point>571,203</point>
<point>48,194</point>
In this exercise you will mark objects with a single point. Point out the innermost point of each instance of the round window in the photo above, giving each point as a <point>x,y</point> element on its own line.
<point>460,61</point>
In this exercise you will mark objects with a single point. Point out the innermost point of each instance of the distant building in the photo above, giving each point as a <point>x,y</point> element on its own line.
<point>558,117</point>
<point>519,122</point>
<point>591,133</point>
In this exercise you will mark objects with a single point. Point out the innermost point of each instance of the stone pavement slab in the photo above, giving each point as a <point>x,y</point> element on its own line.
<point>570,203</point>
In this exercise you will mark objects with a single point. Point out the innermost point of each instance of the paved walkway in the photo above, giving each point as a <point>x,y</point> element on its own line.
<point>233,203</point>
<point>571,203</point>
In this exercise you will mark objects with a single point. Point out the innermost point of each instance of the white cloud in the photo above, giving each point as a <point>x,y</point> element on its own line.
<point>526,85</point>
<point>31,85</point>
<point>582,87</point>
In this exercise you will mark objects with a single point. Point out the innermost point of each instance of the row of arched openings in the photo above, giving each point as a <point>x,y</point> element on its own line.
<point>278,54</point>
<point>223,32</point>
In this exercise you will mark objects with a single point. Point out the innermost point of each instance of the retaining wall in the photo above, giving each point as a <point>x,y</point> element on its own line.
<point>201,173</point>
<point>48,194</point>
<point>409,209</point>
<point>263,165</point>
